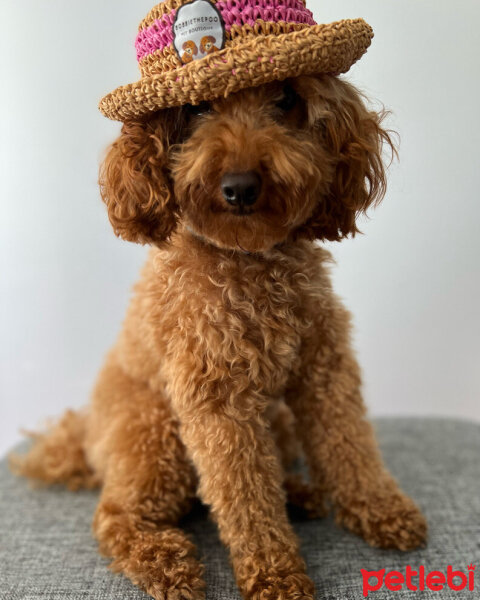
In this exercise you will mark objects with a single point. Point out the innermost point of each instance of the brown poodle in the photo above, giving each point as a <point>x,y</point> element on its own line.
<point>207,44</point>
<point>235,354</point>
<point>191,51</point>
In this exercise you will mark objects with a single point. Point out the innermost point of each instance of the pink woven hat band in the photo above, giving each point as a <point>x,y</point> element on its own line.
<point>204,49</point>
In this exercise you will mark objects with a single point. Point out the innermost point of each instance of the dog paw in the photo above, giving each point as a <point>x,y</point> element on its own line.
<point>295,586</point>
<point>390,521</point>
<point>164,566</point>
<point>181,591</point>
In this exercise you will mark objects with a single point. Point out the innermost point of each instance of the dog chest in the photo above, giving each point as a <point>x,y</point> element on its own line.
<point>238,317</point>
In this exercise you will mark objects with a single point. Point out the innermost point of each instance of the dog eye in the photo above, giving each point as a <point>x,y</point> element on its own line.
<point>288,100</point>
<point>198,110</point>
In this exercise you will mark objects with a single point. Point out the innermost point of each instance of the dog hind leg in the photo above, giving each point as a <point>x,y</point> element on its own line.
<point>149,484</point>
<point>301,493</point>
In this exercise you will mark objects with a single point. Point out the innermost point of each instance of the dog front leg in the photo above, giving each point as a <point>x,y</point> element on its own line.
<point>340,445</point>
<point>240,479</point>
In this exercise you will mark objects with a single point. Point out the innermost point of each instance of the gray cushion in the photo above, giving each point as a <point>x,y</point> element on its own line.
<point>47,550</point>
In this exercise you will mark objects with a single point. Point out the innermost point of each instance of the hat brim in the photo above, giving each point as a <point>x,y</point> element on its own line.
<point>317,49</point>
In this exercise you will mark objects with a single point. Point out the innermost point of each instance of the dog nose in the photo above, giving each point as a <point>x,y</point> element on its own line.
<point>241,189</point>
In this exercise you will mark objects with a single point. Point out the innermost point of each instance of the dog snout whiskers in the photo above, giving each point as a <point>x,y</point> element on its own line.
<point>241,190</point>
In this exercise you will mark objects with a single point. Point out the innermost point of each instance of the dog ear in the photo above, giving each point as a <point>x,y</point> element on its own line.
<point>354,141</point>
<point>135,180</point>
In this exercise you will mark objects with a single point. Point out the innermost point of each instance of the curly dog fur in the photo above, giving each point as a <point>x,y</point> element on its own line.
<point>235,354</point>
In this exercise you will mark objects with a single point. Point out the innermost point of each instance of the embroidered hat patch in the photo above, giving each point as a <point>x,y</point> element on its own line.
<point>198,30</point>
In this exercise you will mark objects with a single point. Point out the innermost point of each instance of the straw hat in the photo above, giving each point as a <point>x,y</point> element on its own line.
<point>189,52</point>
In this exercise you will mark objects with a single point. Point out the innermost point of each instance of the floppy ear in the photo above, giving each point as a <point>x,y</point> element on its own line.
<point>135,181</point>
<point>354,140</point>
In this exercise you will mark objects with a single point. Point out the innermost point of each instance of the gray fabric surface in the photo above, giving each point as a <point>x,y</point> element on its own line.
<point>47,550</point>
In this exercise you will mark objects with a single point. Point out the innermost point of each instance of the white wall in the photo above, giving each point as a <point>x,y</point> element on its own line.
<point>412,281</point>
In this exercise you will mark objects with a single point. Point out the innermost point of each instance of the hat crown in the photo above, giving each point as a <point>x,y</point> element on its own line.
<point>176,32</point>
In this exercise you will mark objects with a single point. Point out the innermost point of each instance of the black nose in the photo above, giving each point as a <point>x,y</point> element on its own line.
<point>241,189</point>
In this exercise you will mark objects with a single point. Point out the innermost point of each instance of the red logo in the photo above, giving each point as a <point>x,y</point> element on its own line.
<point>418,580</point>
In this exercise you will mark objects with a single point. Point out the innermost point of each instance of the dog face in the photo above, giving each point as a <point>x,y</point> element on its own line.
<point>300,158</point>
<point>207,44</point>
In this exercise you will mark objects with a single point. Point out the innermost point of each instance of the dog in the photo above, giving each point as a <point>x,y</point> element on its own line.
<point>235,355</point>
<point>191,51</point>
<point>207,44</point>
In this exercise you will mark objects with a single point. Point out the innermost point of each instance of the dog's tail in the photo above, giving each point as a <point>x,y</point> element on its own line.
<point>58,455</point>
